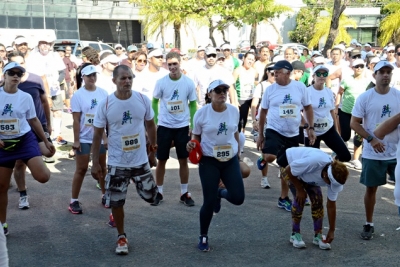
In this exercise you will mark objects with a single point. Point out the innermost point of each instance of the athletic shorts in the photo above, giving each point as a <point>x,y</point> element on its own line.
<point>87,147</point>
<point>276,144</point>
<point>45,130</point>
<point>58,103</point>
<point>165,136</point>
<point>374,171</point>
<point>118,179</point>
<point>23,148</point>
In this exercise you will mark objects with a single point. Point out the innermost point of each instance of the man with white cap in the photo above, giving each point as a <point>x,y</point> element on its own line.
<point>366,51</point>
<point>308,169</point>
<point>132,49</point>
<point>231,62</point>
<point>47,63</point>
<point>391,52</point>
<point>196,62</point>
<point>108,62</point>
<point>21,44</point>
<point>372,108</point>
<point>119,51</point>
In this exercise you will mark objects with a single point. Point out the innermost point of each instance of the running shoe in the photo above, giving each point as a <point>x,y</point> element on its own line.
<point>158,199</point>
<point>356,164</point>
<point>203,243</point>
<point>98,186</point>
<point>60,141</point>
<point>265,183</point>
<point>49,160</point>
<point>319,241</point>
<point>187,200</point>
<point>75,207</point>
<point>297,240</point>
<point>103,201</point>
<point>5,228</point>
<point>285,204</point>
<point>111,222</point>
<point>122,246</point>
<point>368,232</point>
<point>23,203</point>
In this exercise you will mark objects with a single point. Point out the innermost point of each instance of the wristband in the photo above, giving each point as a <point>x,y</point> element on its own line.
<point>196,153</point>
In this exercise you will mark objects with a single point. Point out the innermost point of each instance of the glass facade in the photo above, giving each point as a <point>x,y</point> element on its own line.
<point>59,15</point>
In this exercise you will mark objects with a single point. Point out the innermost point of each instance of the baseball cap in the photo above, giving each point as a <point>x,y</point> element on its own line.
<point>390,48</point>
<point>61,48</point>
<point>298,65</point>
<point>176,50</point>
<point>353,42</point>
<point>154,53</point>
<point>319,60</point>
<point>200,48</point>
<point>316,53</point>
<point>226,46</point>
<point>215,84</point>
<point>117,45</point>
<point>355,52</point>
<point>211,50</point>
<point>335,186</point>
<point>132,48</point>
<point>89,70</point>
<point>340,46</point>
<point>9,48</point>
<point>150,46</point>
<point>220,55</point>
<point>46,38</point>
<point>110,59</point>
<point>358,61</point>
<point>374,60</point>
<point>283,64</point>
<point>382,64</point>
<point>321,67</point>
<point>367,44</point>
<point>20,40</point>
<point>13,65</point>
<point>349,49</point>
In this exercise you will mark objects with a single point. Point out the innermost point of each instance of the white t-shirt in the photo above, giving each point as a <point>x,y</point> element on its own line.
<point>17,108</point>
<point>394,137</point>
<point>86,102</point>
<point>260,88</point>
<point>146,81</point>
<point>246,80</point>
<point>204,76</point>
<point>174,95</point>
<point>284,104</point>
<point>375,108</point>
<point>307,164</point>
<point>125,119</point>
<point>322,102</point>
<point>48,66</point>
<point>106,83</point>
<point>335,83</point>
<point>216,128</point>
<point>395,82</point>
<point>260,67</point>
<point>193,65</point>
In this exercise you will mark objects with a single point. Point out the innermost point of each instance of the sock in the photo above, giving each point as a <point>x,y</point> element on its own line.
<point>56,127</point>
<point>160,189</point>
<point>122,235</point>
<point>73,200</point>
<point>370,223</point>
<point>22,193</point>
<point>184,188</point>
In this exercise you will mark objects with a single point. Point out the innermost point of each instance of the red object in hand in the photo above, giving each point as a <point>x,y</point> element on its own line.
<point>196,154</point>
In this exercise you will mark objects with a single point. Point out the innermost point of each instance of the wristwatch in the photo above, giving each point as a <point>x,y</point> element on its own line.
<point>305,126</point>
<point>369,138</point>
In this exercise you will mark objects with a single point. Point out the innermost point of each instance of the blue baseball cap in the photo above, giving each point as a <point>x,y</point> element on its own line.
<point>261,163</point>
<point>283,64</point>
<point>150,46</point>
<point>13,65</point>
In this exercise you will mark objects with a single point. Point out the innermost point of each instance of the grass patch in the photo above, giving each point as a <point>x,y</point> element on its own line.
<point>64,148</point>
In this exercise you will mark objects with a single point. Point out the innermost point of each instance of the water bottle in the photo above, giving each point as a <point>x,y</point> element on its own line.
<point>248,161</point>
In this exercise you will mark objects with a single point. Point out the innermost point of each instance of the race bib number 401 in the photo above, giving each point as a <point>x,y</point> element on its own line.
<point>223,153</point>
<point>9,127</point>
<point>130,142</point>
<point>288,111</point>
<point>89,118</point>
<point>175,107</point>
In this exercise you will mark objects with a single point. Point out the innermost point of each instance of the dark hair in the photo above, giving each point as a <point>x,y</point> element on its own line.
<point>3,46</point>
<point>207,99</point>
<point>248,53</point>
<point>117,68</point>
<point>104,55</point>
<point>79,74</point>
<point>265,75</point>
<point>264,46</point>
<point>173,55</point>
<point>15,53</point>
<point>396,47</point>
<point>91,54</point>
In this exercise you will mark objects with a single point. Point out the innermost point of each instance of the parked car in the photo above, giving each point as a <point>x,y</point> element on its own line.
<point>280,49</point>
<point>244,45</point>
<point>266,43</point>
<point>77,45</point>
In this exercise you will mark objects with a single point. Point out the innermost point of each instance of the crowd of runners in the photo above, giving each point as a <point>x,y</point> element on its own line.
<point>129,109</point>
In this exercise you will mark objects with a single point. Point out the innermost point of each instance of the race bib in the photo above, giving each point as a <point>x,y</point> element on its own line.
<point>175,107</point>
<point>9,127</point>
<point>322,124</point>
<point>89,118</point>
<point>248,89</point>
<point>223,153</point>
<point>130,142</point>
<point>288,111</point>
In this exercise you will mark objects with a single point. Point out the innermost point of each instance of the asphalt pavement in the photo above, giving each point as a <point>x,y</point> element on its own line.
<point>253,234</point>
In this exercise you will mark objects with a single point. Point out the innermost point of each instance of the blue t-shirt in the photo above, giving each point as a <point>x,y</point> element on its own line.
<point>34,86</point>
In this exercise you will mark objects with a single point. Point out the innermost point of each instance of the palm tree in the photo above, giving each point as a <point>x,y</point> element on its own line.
<point>390,26</point>
<point>321,29</point>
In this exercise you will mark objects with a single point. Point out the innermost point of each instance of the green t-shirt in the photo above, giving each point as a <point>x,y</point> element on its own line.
<point>352,89</point>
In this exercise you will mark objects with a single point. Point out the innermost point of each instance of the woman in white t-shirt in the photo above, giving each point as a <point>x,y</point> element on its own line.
<point>17,141</point>
<point>84,105</point>
<point>308,170</point>
<point>216,129</point>
<point>323,104</point>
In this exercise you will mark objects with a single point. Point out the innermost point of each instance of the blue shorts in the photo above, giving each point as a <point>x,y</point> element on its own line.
<point>374,171</point>
<point>87,147</point>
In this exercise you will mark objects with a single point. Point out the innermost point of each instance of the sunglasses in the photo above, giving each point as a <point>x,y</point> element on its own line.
<point>359,66</point>
<point>212,55</point>
<point>23,44</point>
<point>398,53</point>
<point>141,61</point>
<point>221,59</point>
<point>118,48</point>
<point>391,51</point>
<point>12,73</point>
<point>323,74</point>
<point>355,57</point>
<point>220,90</point>
<point>158,57</point>
<point>173,64</point>
<point>227,50</point>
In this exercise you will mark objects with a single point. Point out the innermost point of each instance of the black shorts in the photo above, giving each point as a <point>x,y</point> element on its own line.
<point>165,136</point>
<point>276,144</point>
<point>45,130</point>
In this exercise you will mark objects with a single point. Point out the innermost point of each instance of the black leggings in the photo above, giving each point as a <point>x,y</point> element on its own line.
<point>244,113</point>
<point>211,171</point>
<point>344,121</point>
<point>333,140</point>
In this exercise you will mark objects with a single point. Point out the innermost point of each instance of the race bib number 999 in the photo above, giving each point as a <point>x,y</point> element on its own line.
<point>130,143</point>
<point>9,127</point>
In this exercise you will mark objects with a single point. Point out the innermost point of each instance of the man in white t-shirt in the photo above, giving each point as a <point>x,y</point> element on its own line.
<point>119,51</point>
<point>176,94</point>
<point>396,71</point>
<point>378,157</point>
<point>281,106</point>
<point>260,64</point>
<point>128,115</point>
<point>108,62</point>
<point>196,62</point>
<point>230,63</point>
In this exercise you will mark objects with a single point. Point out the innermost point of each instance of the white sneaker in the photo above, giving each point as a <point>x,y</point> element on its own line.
<point>23,203</point>
<point>356,164</point>
<point>122,246</point>
<point>318,240</point>
<point>297,241</point>
<point>265,183</point>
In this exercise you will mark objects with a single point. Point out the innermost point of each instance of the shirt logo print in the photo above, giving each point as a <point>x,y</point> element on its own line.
<point>222,128</point>
<point>7,108</point>
<point>126,117</point>
<point>93,103</point>
<point>386,110</point>
<point>322,102</point>
<point>175,95</point>
<point>287,99</point>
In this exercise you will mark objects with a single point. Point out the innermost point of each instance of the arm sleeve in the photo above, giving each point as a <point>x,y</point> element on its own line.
<point>155,108</point>
<point>61,75</point>
<point>193,108</point>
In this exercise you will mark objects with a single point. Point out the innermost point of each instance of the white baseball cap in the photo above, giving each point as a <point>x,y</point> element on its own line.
<point>374,60</point>
<point>89,70</point>
<point>226,46</point>
<point>215,84</point>
<point>20,40</point>
<point>110,59</point>
<point>335,186</point>
<point>358,61</point>
<point>155,53</point>
<point>321,67</point>
<point>117,45</point>
<point>319,60</point>
<point>390,48</point>
<point>382,64</point>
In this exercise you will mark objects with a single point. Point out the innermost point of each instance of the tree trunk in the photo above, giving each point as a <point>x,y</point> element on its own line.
<point>162,31</point>
<point>223,36</point>
<point>211,29</point>
<point>177,32</point>
<point>280,39</point>
<point>253,34</point>
<point>338,9</point>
